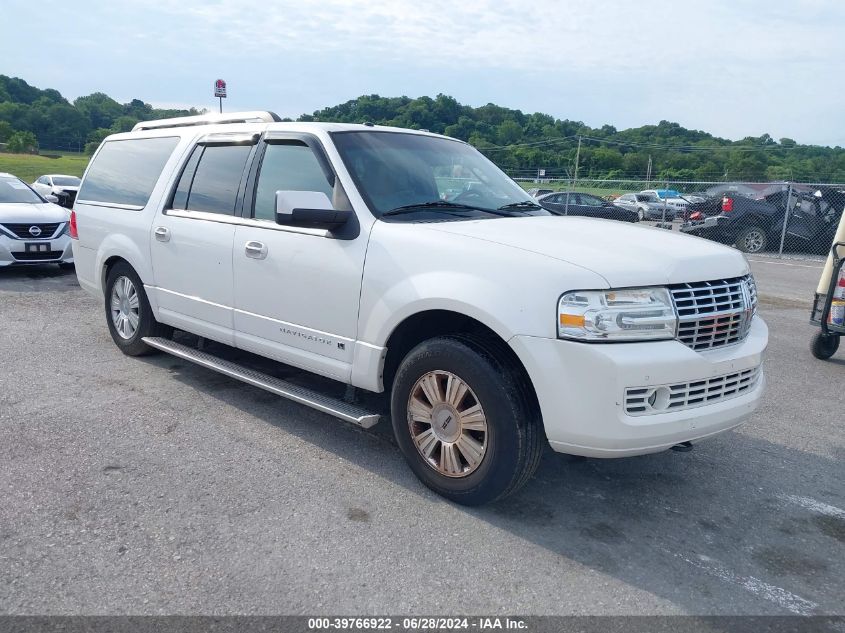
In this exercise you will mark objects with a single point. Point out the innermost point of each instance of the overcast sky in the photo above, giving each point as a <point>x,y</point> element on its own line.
<point>734,68</point>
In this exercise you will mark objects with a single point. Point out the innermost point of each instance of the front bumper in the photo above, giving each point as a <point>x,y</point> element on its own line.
<point>13,252</point>
<point>581,389</point>
<point>657,214</point>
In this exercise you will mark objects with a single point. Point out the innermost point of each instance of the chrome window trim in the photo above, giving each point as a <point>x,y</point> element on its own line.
<point>113,205</point>
<point>239,221</point>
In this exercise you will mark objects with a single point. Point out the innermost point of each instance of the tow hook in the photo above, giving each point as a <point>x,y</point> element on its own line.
<point>683,447</point>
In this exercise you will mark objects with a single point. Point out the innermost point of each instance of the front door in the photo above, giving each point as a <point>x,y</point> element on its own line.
<point>297,290</point>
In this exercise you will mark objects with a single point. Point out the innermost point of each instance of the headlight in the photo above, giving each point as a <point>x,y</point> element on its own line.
<point>635,314</point>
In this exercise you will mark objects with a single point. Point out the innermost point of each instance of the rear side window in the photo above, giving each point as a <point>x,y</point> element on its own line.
<point>125,172</point>
<point>211,179</point>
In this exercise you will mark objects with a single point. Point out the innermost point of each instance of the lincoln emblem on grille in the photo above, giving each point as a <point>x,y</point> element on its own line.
<point>34,231</point>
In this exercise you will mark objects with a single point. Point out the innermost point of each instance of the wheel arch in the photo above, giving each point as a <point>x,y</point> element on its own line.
<point>433,322</point>
<point>116,248</point>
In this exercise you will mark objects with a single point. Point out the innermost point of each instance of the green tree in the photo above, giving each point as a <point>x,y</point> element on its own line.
<point>100,109</point>
<point>22,143</point>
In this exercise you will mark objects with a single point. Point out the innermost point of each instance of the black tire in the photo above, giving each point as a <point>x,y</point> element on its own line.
<point>823,346</point>
<point>752,239</point>
<point>514,431</point>
<point>147,325</point>
<point>67,266</point>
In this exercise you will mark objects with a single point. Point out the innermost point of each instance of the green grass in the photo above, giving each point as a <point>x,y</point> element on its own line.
<point>28,167</point>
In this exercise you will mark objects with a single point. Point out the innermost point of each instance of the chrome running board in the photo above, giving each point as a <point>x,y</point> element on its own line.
<point>302,395</point>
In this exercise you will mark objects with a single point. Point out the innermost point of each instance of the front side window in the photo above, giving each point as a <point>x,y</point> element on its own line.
<point>13,190</point>
<point>287,166</point>
<point>398,171</point>
<point>211,179</point>
<point>125,172</point>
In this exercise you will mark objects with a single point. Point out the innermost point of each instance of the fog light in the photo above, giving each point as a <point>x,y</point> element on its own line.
<point>659,399</point>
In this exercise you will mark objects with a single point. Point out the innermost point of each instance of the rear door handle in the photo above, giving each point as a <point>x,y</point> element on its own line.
<point>256,250</point>
<point>162,234</point>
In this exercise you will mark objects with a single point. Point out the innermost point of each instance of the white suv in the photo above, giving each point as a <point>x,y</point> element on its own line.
<point>491,325</point>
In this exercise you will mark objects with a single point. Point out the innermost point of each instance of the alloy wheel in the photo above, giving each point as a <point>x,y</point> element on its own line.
<point>125,307</point>
<point>447,423</point>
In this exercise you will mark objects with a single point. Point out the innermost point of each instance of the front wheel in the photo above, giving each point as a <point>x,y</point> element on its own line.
<point>465,419</point>
<point>640,215</point>
<point>751,239</point>
<point>823,346</point>
<point>128,313</point>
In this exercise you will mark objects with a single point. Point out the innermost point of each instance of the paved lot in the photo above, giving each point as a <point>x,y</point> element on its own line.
<point>152,486</point>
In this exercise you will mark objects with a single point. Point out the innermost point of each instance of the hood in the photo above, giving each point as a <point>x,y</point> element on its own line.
<point>624,254</point>
<point>36,213</point>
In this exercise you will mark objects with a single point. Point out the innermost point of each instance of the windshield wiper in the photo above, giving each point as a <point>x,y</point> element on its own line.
<point>524,204</point>
<point>445,205</point>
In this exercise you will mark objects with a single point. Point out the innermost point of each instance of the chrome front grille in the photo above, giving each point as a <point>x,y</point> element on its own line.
<point>714,313</point>
<point>686,395</point>
<point>24,231</point>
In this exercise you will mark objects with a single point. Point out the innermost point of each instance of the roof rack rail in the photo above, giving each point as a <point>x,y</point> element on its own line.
<point>256,116</point>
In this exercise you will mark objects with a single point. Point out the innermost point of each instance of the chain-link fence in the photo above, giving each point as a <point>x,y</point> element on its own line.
<point>785,219</point>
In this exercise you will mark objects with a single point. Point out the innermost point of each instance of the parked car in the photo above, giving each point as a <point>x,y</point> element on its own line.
<point>671,197</point>
<point>327,247</point>
<point>536,193</point>
<point>756,225</point>
<point>647,206</point>
<point>62,186</point>
<point>587,205</point>
<point>33,230</point>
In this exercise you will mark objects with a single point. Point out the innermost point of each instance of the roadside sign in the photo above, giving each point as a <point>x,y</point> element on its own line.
<point>542,173</point>
<point>220,88</point>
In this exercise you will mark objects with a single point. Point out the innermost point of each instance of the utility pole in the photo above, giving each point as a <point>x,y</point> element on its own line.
<point>648,174</point>
<point>577,156</point>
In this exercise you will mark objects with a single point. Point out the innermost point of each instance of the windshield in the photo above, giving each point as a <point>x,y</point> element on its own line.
<point>16,191</point>
<point>66,181</point>
<point>395,171</point>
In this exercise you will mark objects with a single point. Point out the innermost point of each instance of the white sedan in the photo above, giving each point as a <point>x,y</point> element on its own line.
<point>59,185</point>
<point>33,230</point>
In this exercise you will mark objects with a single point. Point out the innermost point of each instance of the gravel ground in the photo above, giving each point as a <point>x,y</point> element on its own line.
<point>150,486</point>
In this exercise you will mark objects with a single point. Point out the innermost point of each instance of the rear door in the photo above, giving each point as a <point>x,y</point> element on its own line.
<point>297,290</point>
<point>191,241</point>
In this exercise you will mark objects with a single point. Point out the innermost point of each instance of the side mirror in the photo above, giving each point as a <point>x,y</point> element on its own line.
<point>308,209</point>
<point>51,198</point>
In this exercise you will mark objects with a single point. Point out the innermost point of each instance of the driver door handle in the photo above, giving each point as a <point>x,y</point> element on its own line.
<point>256,250</point>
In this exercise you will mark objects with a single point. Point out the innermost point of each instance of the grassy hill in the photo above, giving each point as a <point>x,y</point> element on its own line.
<point>28,168</point>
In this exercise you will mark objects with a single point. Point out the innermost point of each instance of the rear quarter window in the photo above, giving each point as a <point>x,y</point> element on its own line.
<point>125,172</point>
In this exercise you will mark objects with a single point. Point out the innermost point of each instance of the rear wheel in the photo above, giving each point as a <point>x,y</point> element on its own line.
<point>751,239</point>
<point>823,346</point>
<point>128,312</point>
<point>465,420</point>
